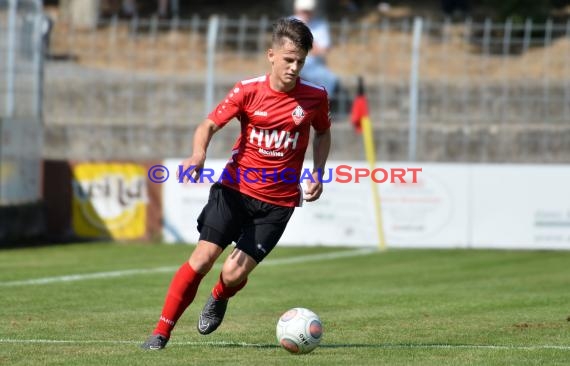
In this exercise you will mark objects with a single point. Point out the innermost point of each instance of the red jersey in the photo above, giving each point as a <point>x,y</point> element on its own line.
<point>268,155</point>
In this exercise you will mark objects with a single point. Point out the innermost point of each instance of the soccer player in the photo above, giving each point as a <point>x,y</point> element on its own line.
<point>256,198</point>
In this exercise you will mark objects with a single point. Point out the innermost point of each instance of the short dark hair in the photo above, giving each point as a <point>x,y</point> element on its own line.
<point>295,30</point>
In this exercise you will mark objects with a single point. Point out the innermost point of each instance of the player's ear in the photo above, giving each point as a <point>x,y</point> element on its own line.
<point>270,55</point>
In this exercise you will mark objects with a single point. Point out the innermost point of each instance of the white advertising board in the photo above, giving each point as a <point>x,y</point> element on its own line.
<point>433,212</point>
<point>428,212</point>
<point>521,206</point>
<point>447,206</point>
<point>182,203</point>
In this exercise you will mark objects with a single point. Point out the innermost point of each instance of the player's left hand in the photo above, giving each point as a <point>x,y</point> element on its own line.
<point>313,190</point>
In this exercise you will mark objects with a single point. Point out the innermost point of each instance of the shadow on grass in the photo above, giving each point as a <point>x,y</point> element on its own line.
<point>225,344</point>
<point>326,345</point>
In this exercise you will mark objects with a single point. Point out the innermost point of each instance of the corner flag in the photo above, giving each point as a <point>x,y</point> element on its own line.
<point>359,107</point>
<point>361,121</point>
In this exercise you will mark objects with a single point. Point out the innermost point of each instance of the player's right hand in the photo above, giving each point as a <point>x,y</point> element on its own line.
<point>193,166</point>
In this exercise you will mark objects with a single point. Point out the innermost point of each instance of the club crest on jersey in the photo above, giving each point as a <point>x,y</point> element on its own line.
<point>298,115</point>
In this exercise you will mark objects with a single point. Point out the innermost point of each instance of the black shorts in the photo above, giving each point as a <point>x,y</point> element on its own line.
<point>255,226</point>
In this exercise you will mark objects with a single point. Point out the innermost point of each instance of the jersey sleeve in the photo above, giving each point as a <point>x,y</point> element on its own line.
<point>230,107</point>
<point>322,121</point>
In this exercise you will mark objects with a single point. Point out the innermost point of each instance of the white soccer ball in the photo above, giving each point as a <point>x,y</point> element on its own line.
<point>299,330</point>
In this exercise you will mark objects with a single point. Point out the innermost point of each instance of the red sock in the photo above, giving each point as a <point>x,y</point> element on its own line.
<point>222,291</point>
<point>180,294</point>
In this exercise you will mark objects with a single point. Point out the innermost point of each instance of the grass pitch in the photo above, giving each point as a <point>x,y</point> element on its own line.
<point>93,304</point>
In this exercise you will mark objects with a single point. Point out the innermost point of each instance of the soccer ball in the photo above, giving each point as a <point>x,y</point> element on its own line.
<point>299,330</point>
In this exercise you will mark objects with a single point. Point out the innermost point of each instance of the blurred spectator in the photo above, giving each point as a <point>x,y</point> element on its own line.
<point>315,69</point>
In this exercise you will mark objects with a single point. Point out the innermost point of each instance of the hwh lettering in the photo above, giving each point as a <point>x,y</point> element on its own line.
<point>274,138</point>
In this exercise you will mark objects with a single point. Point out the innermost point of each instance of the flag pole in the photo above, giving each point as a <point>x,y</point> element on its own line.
<point>370,151</point>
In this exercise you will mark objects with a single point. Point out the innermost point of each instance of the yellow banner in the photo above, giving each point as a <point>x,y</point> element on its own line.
<point>109,200</point>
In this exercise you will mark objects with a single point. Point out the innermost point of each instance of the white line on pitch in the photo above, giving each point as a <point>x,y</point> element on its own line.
<point>131,272</point>
<point>267,345</point>
<point>87,276</point>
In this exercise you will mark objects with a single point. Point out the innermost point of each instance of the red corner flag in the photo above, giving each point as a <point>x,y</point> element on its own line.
<point>359,107</point>
<point>361,121</point>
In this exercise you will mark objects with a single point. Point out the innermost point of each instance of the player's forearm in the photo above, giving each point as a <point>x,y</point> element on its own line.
<point>202,137</point>
<point>321,148</point>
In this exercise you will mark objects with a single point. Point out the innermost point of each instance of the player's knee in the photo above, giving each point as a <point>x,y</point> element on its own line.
<point>200,265</point>
<point>203,258</point>
<point>237,267</point>
<point>233,275</point>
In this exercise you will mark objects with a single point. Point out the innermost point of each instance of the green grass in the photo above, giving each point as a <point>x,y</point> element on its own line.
<point>424,307</point>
